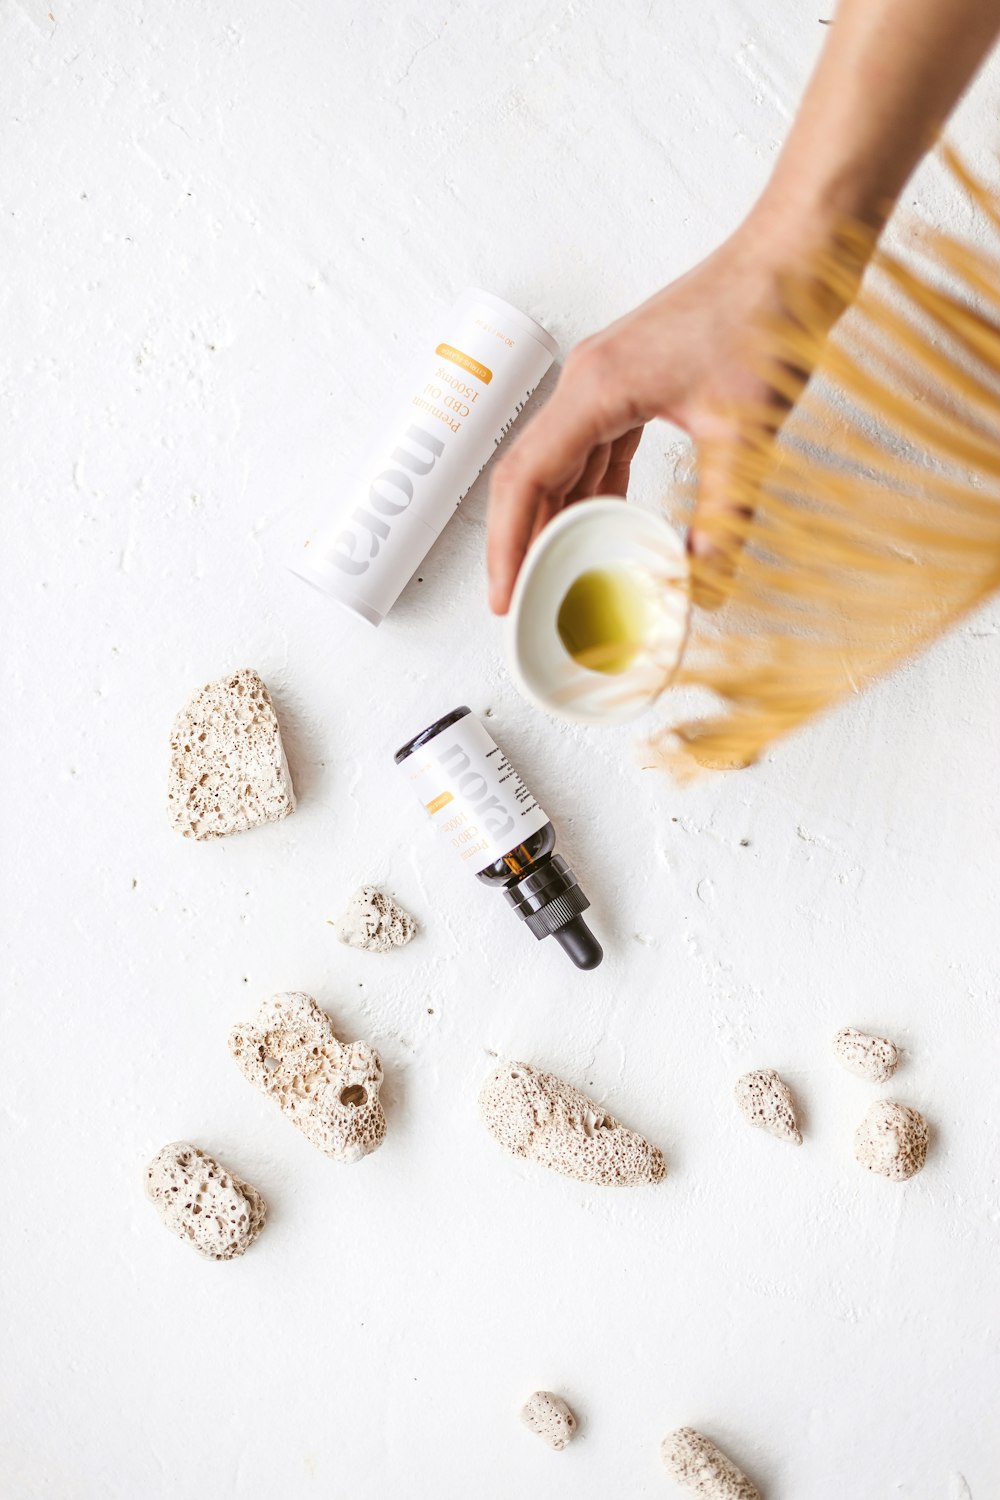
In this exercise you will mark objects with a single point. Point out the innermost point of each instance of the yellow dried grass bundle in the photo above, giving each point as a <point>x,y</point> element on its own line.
<point>869,522</point>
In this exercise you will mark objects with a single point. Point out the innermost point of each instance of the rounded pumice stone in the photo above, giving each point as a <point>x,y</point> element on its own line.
<point>892,1140</point>
<point>873,1057</point>
<point>700,1467</point>
<point>203,1203</point>
<point>549,1416</point>
<point>765,1100</point>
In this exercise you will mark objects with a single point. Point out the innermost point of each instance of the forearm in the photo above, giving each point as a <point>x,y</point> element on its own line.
<point>889,75</point>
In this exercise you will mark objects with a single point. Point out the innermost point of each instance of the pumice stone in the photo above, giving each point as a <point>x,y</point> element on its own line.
<point>873,1057</point>
<point>227,768</point>
<point>699,1466</point>
<point>203,1203</point>
<point>892,1140</point>
<point>537,1116</point>
<point>373,921</point>
<point>325,1087</point>
<point>765,1100</point>
<point>549,1416</point>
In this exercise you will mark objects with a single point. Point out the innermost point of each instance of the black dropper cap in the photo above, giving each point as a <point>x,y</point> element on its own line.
<point>548,898</point>
<point>576,939</point>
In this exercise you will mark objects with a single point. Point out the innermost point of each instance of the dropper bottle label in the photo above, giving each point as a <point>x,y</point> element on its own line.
<point>473,794</point>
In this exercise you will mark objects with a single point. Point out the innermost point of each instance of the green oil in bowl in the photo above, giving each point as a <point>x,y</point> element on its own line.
<point>604,619</point>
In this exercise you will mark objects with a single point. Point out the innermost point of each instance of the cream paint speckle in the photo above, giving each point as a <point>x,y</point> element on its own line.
<point>265,204</point>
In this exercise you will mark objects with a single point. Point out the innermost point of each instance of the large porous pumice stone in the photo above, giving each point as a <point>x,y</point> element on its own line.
<point>873,1057</point>
<point>699,1466</point>
<point>228,770</point>
<point>329,1089</point>
<point>203,1203</point>
<point>892,1140</point>
<point>537,1116</point>
<point>765,1100</point>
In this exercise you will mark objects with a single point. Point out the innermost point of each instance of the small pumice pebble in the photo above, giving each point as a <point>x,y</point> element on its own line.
<point>892,1140</point>
<point>549,1416</point>
<point>873,1057</point>
<point>373,921</point>
<point>203,1203</point>
<point>765,1100</point>
<point>699,1466</point>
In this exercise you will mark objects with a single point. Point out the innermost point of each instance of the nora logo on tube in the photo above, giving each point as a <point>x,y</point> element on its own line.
<point>389,494</point>
<point>473,377</point>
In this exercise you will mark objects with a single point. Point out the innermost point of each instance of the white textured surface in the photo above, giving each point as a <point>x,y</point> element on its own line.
<point>217,226</point>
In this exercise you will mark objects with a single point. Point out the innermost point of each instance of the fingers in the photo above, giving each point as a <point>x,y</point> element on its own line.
<point>590,483</point>
<point>591,480</point>
<point>515,505</point>
<point>722,507</point>
<point>733,457</point>
<point>540,470</point>
<point>563,455</point>
<point>546,511</point>
<point>619,470</point>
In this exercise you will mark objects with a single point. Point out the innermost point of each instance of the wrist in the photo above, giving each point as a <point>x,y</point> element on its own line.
<point>811,210</point>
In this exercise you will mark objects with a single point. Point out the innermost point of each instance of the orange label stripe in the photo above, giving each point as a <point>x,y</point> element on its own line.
<point>465,362</point>
<point>438,802</point>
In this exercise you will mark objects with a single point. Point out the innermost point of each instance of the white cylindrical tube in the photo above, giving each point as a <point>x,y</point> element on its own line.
<point>463,395</point>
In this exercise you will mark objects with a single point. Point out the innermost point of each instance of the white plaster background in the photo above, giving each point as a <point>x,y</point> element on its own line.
<point>220,228</point>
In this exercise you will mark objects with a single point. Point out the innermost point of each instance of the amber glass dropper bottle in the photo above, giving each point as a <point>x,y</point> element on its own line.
<point>496,827</point>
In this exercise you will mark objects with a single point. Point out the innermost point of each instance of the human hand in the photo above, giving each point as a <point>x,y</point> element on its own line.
<point>687,356</point>
<point>889,73</point>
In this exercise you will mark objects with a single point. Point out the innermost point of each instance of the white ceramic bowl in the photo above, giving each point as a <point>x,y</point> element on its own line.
<point>591,535</point>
